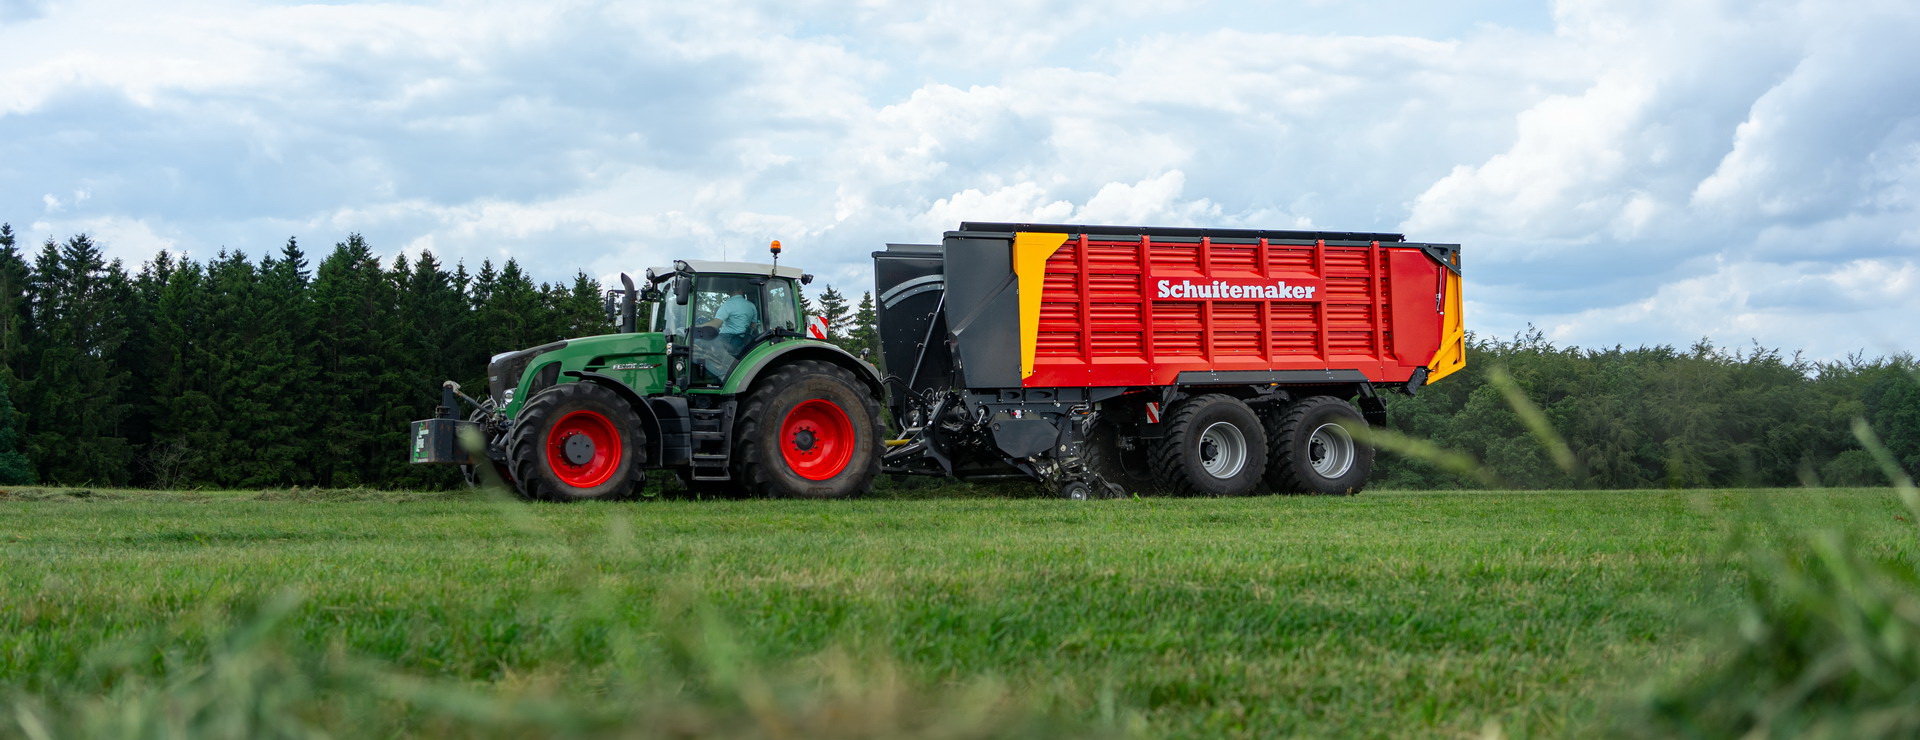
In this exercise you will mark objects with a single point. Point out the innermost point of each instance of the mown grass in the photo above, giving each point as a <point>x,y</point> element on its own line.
<point>1390,614</point>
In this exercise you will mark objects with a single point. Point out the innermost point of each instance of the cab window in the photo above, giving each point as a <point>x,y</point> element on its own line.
<point>780,306</point>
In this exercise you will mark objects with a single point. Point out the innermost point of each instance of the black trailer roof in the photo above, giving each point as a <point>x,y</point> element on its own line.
<point>1181,232</point>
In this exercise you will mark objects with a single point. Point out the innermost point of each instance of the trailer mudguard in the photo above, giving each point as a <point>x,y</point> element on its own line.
<point>789,350</point>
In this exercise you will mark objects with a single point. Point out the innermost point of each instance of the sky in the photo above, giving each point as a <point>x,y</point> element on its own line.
<point>1635,172</point>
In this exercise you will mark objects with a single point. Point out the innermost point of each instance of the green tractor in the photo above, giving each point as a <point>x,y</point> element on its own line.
<point>736,394</point>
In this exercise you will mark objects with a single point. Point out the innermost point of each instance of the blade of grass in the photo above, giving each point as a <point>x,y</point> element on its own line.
<point>1535,420</point>
<point>1902,484</point>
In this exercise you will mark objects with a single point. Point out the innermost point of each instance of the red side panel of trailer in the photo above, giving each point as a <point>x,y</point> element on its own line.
<point>1124,311</point>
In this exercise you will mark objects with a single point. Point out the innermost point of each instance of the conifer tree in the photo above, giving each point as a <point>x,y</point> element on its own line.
<point>75,386</point>
<point>582,309</point>
<point>188,429</point>
<point>513,317</point>
<point>14,277</point>
<point>251,349</point>
<point>352,348</point>
<point>435,304</point>
<point>15,468</point>
<point>474,327</point>
<point>288,430</point>
<point>864,338</point>
<point>432,312</point>
<point>142,357</point>
<point>833,308</point>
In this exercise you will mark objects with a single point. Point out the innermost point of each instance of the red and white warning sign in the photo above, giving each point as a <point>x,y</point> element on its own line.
<point>816,327</point>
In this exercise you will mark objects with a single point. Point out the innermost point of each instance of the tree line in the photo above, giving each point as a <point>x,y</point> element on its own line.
<point>1655,417</point>
<point>242,373</point>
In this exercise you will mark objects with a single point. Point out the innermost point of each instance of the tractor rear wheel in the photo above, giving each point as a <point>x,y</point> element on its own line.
<point>1214,446</point>
<point>576,442</point>
<point>809,429</point>
<point>1315,449</point>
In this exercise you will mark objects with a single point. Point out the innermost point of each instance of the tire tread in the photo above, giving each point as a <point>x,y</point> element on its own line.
<point>750,469</point>
<point>1284,472</point>
<point>524,453</point>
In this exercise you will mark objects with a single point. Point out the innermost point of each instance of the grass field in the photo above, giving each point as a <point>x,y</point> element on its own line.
<point>1389,614</point>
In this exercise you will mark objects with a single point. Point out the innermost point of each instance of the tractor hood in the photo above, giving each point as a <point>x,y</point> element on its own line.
<point>503,374</point>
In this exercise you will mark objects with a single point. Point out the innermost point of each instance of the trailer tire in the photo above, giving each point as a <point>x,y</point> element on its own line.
<point>1313,450</point>
<point>1214,446</point>
<point>576,442</point>
<point>808,429</point>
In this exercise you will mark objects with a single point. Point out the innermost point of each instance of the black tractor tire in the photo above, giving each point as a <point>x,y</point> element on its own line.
<point>543,462</point>
<point>808,429</point>
<point>1315,450</point>
<point>1203,437</point>
<point>1106,459</point>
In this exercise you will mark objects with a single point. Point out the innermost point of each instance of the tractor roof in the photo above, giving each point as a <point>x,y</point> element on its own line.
<point>745,268</point>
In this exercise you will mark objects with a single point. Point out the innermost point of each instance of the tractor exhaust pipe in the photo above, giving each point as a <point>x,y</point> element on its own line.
<point>628,323</point>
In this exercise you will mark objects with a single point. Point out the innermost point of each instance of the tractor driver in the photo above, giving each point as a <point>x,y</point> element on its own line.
<point>734,317</point>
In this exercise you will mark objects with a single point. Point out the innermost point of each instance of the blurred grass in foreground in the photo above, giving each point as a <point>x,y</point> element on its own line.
<point>1391,614</point>
<point>1825,644</point>
<point>252,684</point>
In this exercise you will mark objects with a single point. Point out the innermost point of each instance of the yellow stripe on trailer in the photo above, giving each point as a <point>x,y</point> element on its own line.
<point>1030,253</point>
<point>1452,354</point>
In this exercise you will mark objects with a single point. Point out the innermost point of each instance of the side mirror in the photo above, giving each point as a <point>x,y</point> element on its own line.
<point>609,306</point>
<point>682,289</point>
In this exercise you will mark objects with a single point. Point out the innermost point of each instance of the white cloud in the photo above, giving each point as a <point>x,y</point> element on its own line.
<point>129,240</point>
<point>1640,172</point>
<point>1740,302</point>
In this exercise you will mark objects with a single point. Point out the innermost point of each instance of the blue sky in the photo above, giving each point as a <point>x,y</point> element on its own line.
<point>1620,172</point>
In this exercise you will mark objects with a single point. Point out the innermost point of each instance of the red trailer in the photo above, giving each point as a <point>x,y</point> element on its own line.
<point>1108,358</point>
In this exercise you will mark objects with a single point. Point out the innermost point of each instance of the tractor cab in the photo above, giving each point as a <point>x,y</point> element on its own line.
<point>714,313</point>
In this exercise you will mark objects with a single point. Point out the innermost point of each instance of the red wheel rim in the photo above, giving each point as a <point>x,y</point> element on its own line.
<point>816,439</point>
<point>589,427</point>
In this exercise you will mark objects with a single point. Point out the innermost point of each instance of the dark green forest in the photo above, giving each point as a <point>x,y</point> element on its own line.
<point>239,372</point>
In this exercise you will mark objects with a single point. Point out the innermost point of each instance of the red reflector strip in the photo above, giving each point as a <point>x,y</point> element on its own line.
<point>817,327</point>
<point>1153,412</point>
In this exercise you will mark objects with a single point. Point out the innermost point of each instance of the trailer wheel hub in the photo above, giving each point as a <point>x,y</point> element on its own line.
<point>1330,450</point>
<point>1223,450</point>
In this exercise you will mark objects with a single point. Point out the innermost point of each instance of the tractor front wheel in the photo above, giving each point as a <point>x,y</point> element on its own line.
<point>576,442</point>
<point>808,430</point>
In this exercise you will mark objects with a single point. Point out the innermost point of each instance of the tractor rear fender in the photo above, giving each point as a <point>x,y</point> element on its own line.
<point>649,417</point>
<point>769,356</point>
